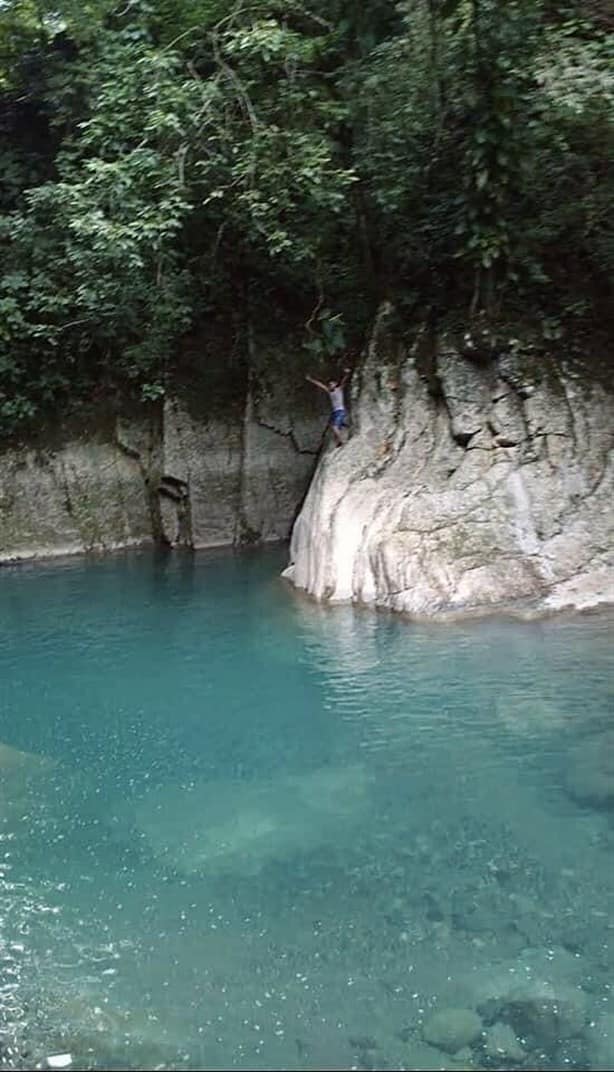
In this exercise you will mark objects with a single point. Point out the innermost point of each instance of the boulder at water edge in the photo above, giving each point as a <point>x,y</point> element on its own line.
<point>463,486</point>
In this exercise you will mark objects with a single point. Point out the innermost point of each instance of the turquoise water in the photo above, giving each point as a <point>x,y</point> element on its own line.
<point>242,831</point>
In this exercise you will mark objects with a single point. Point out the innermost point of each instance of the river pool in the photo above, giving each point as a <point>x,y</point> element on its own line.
<point>243,831</point>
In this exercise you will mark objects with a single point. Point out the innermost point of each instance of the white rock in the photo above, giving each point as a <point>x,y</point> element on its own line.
<point>59,1060</point>
<point>422,512</point>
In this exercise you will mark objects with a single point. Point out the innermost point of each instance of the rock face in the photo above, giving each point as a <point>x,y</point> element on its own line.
<point>243,479</point>
<point>467,484</point>
<point>194,477</point>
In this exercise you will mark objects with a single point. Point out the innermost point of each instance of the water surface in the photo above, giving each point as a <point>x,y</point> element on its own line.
<point>250,832</point>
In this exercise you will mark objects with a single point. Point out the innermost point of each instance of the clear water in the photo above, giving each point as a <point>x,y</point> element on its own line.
<point>268,835</point>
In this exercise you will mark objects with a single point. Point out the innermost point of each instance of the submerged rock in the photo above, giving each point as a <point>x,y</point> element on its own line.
<point>20,775</point>
<point>14,762</point>
<point>452,1029</point>
<point>94,1033</point>
<point>544,1015</point>
<point>527,714</point>
<point>600,1042</point>
<point>424,1058</point>
<point>501,1043</point>
<point>538,996</point>
<point>590,776</point>
<point>233,825</point>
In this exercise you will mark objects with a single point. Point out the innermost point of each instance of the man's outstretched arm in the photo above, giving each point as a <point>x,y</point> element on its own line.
<point>317,383</point>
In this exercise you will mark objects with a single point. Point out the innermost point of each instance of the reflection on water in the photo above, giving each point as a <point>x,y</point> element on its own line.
<point>240,830</point>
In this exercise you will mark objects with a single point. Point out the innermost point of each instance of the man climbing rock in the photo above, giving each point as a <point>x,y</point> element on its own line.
<point>335,391</point>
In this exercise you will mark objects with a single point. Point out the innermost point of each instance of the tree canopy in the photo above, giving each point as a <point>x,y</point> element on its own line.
<point>173,165</point>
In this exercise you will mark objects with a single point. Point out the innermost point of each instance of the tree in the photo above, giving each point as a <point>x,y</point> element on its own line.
<point>170,166</point>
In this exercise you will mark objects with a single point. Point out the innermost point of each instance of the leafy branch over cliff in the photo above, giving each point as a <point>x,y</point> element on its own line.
<point>171,165</point>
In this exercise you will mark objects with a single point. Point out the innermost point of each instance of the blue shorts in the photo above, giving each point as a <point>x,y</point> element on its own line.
<point>338,418</point>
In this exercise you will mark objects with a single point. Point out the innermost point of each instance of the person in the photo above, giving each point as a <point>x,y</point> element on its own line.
<point>335,391</point>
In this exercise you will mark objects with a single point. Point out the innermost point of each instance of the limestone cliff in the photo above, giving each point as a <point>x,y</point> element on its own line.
<point>472,480</point>
<point>182,475</point>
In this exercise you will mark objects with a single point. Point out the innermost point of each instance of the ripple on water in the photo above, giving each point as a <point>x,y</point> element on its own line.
<point>244,831</point>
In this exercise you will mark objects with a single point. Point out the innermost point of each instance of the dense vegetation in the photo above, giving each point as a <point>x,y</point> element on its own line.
<point>173,169</point>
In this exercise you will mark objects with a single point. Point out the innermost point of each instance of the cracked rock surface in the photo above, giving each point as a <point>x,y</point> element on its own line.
<point>493,490</point>
<point>244,478</point>
<point>176,477</point>
<point>85,495</point>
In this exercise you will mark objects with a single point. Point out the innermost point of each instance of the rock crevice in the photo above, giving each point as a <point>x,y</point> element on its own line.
<point>175,476</point>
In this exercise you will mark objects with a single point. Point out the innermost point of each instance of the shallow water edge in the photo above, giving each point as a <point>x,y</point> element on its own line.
<point>514,611</point>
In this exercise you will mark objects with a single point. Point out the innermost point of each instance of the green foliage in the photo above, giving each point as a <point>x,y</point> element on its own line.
<point>169,165</point>
<point>328,336</point>
<point>94,255</point>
